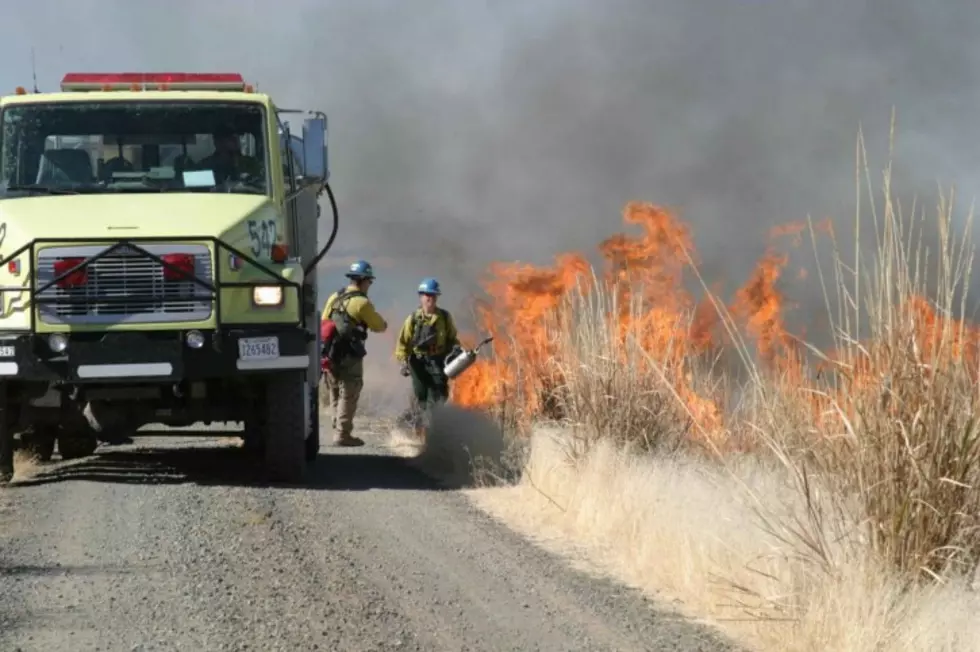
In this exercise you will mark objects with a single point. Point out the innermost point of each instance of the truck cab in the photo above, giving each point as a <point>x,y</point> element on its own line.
<point>158,234</point>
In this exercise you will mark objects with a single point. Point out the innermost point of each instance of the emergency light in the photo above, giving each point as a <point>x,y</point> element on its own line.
<point>183,81</point>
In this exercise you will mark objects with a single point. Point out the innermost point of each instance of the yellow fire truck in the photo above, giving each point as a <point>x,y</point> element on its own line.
<point>158,240</point>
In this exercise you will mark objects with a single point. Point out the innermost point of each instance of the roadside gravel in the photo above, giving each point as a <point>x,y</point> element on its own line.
<point>166,545</point>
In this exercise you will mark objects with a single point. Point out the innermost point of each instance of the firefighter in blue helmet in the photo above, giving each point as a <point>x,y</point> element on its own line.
<point>347,317</point>
<point>426,339</point>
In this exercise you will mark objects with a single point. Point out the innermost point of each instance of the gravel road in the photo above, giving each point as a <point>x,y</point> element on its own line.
<point>165,544</point>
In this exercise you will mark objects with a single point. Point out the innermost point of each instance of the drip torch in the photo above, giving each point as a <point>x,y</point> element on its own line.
<point>464,360</point>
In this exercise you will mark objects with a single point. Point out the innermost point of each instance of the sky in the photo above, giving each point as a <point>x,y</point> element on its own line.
<point>467,132</point>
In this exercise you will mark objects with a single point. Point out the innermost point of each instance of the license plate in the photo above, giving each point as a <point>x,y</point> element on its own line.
<point>7,352</point>
<point>258,348</point>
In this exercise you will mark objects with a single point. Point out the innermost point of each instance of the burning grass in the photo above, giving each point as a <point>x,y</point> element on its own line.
<point>870,448</point>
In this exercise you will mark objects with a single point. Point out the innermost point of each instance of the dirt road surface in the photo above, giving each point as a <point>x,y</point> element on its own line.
<point>169,544</point>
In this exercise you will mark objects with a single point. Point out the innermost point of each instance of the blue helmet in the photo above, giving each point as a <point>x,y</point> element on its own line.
<point>429,286</point>
<point>360,269</point>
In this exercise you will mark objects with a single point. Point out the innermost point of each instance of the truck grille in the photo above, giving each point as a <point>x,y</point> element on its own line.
<point>125,287</point>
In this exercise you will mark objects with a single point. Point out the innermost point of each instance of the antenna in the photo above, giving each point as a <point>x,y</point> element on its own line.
<point>34,70</point>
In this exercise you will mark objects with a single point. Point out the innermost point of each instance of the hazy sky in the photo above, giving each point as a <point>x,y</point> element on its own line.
<point>464,132</point>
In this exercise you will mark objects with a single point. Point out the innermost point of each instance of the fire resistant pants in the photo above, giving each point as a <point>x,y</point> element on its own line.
<point>344,386</point>
<point>428,386</point>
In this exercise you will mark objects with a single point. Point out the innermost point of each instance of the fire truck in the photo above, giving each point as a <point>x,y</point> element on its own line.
<point>158,242</point>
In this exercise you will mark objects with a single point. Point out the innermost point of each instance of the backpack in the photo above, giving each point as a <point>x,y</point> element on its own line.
<point>342,337</point>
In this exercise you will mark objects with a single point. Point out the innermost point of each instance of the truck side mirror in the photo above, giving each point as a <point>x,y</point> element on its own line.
<point>315,148</point>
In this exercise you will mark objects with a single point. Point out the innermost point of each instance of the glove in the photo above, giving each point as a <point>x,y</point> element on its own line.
<point>405,371</point>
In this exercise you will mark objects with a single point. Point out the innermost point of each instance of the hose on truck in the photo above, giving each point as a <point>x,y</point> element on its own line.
<point>323,252</point>
<point>333,233</point>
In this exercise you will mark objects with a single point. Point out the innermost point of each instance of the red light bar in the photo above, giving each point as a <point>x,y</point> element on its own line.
<point>84,81</point>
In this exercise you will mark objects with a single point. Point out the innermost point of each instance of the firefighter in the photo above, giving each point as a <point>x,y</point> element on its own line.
<point>227,161</point>
<point>347,317</point>
<point>426,339</point>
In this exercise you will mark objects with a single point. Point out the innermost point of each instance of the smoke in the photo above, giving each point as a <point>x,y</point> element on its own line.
<point>467,132</point>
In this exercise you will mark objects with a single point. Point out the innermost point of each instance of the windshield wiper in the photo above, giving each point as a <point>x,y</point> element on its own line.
<point>35,187</point>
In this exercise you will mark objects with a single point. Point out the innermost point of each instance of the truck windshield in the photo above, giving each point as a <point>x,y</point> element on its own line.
<point>140,146</point>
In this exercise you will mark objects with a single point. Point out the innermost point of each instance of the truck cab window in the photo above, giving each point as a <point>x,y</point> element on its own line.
<point>138,146</point>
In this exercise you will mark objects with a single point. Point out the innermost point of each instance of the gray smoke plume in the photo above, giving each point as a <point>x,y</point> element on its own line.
<point>467,132</point>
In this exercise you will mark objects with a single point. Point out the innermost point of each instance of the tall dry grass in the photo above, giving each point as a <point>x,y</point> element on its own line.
<point>860,486</point>
<point>611,389</point>
<point>897,435</point>
<point>688,533</point>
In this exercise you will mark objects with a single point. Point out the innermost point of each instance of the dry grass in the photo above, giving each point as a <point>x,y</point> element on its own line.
<point>896,433</point>
<point>829,511</point>
<point>611,388</point>
<point>686,532</point>
<point>26,466</point>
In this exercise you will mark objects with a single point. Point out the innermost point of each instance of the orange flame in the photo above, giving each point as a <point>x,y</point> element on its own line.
<point>527,306</point>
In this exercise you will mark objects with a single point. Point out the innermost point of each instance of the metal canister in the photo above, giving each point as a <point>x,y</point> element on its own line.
<point>459,364</point>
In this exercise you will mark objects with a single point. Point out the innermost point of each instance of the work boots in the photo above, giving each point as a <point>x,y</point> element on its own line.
<point>347,441</point>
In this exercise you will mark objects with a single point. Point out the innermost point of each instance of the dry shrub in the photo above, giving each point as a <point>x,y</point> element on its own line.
<point>610,388</point>
<point>885,445</point>
<point>898,435</point>
<point>600,382</point>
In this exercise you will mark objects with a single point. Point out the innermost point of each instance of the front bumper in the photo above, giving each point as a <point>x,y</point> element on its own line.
<point>149,356</point>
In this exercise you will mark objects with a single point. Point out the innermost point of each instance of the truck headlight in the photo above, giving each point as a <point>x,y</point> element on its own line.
<point>267,295</point>
<point>58,342</point>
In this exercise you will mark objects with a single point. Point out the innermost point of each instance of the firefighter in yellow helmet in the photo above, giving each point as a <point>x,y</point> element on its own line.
<point>347,317</point>
<point>426,339</point>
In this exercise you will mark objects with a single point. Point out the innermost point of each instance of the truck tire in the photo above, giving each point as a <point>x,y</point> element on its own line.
<point>75,445</point>
<point>285,426</point>
<point>253,435</point>
<point>8,421</point>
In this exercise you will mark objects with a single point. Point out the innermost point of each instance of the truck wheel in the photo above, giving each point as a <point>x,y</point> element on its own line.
<point>7,424</point>
<point>252,444</point>
<point>313,436</point>
<point>74,446</point>
<point>253,436</point>
<point>285,426</point>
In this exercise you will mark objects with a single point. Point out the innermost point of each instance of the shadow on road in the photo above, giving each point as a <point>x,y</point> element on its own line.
<point>457,437</point>
<point>231,466</point>
<point>62,570</point>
